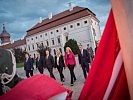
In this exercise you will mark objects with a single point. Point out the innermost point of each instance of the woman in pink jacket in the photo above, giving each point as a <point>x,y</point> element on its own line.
<point>70,63</point>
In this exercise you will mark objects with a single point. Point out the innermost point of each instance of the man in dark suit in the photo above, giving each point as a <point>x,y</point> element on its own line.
<point>28,65</point>
<point>90,51</point>
<point>40,63</point>
<point>49,63</point>
<point>84,60</point>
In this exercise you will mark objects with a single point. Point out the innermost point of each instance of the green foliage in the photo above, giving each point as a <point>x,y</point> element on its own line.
<point>42,49</point>
<point>19,55</point>
<point>73,45</point>
<point>20,64</point>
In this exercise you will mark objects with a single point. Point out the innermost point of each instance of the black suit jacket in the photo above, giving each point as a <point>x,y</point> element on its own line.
<point>85,58</point>
<point>28,65</point>
<point>61,61</point>
<point>40,62</point>
<point>50,61</point>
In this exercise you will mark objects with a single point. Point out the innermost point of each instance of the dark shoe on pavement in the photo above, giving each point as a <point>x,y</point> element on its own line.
<point>63,80</point>
<point>72,84</point>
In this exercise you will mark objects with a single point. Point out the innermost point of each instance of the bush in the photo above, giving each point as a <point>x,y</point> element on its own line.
<point>73,45</point>
<point>19,55</point>
<point>42,49</point>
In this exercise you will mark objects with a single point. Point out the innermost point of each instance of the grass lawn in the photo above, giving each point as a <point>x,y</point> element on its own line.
<point>19,65</point>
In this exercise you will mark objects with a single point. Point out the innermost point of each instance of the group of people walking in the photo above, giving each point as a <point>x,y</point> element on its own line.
<point>60,62</point>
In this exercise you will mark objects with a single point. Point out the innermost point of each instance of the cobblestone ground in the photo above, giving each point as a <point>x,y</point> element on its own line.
<point>77,85</point>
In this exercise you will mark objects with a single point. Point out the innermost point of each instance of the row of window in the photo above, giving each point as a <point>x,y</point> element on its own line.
<point>37,44</point>
<point>54,51</point>
<point>53,42</point>
<point>71,26</point>
<point>36,37</point>
<point>47,43</point>
<point>95,22</point>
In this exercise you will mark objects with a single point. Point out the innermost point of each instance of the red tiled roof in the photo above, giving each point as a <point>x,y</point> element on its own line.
<point>60,18</point>
<point>15,44</point>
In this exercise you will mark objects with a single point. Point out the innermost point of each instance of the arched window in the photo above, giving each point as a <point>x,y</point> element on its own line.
<point>34,55</point>
<point>60,50</point>
<point>66,38</point>
<point>52,41</point>
<point>54,51</point>
<point>37,45</point>
<point>33,46</point>
<point>58,40</point>
<point>94,32</point>
<point>47,42</point>
<point>42,44</point>
<point>29,47</point>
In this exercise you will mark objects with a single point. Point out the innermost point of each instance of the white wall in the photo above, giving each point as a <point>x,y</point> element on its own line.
<point>82,34</point>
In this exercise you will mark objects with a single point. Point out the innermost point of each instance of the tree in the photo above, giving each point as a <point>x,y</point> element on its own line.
<point>19,54</point>
<point>42,49</point>
<point>72,44</point>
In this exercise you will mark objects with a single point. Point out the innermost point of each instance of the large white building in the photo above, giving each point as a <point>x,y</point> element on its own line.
<point>76,23</point>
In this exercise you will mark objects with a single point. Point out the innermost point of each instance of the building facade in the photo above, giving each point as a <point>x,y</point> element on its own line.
<point>76,23</point>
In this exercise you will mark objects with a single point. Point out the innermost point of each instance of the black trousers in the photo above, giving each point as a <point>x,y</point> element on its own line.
<point>60,70</point>
<point>41,70</point>
<point>85,68</point>
<point>1,91</point>
<point>71,68</point>
<point>51,72</point>
<point>29,73</point>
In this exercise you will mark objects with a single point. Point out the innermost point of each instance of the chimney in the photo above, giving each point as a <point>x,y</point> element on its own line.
<point>40,19</point>
<point>50,15</point>
<point>70,6</point>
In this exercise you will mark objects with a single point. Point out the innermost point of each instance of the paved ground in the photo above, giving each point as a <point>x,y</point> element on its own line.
<point>77,85</point>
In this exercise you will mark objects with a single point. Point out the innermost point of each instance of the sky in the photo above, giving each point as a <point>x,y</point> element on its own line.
<point>20,15</point>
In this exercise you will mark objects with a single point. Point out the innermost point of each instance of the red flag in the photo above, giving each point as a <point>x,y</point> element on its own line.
<point>38,87</point>
<point>100,77</point>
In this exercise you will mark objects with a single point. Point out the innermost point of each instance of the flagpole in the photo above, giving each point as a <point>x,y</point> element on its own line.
<point>123,15</point>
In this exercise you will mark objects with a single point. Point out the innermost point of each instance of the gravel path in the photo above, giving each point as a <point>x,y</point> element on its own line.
<point>77,85</point>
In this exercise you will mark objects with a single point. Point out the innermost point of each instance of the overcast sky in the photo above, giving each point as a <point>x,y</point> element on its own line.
<point>20,15</point>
